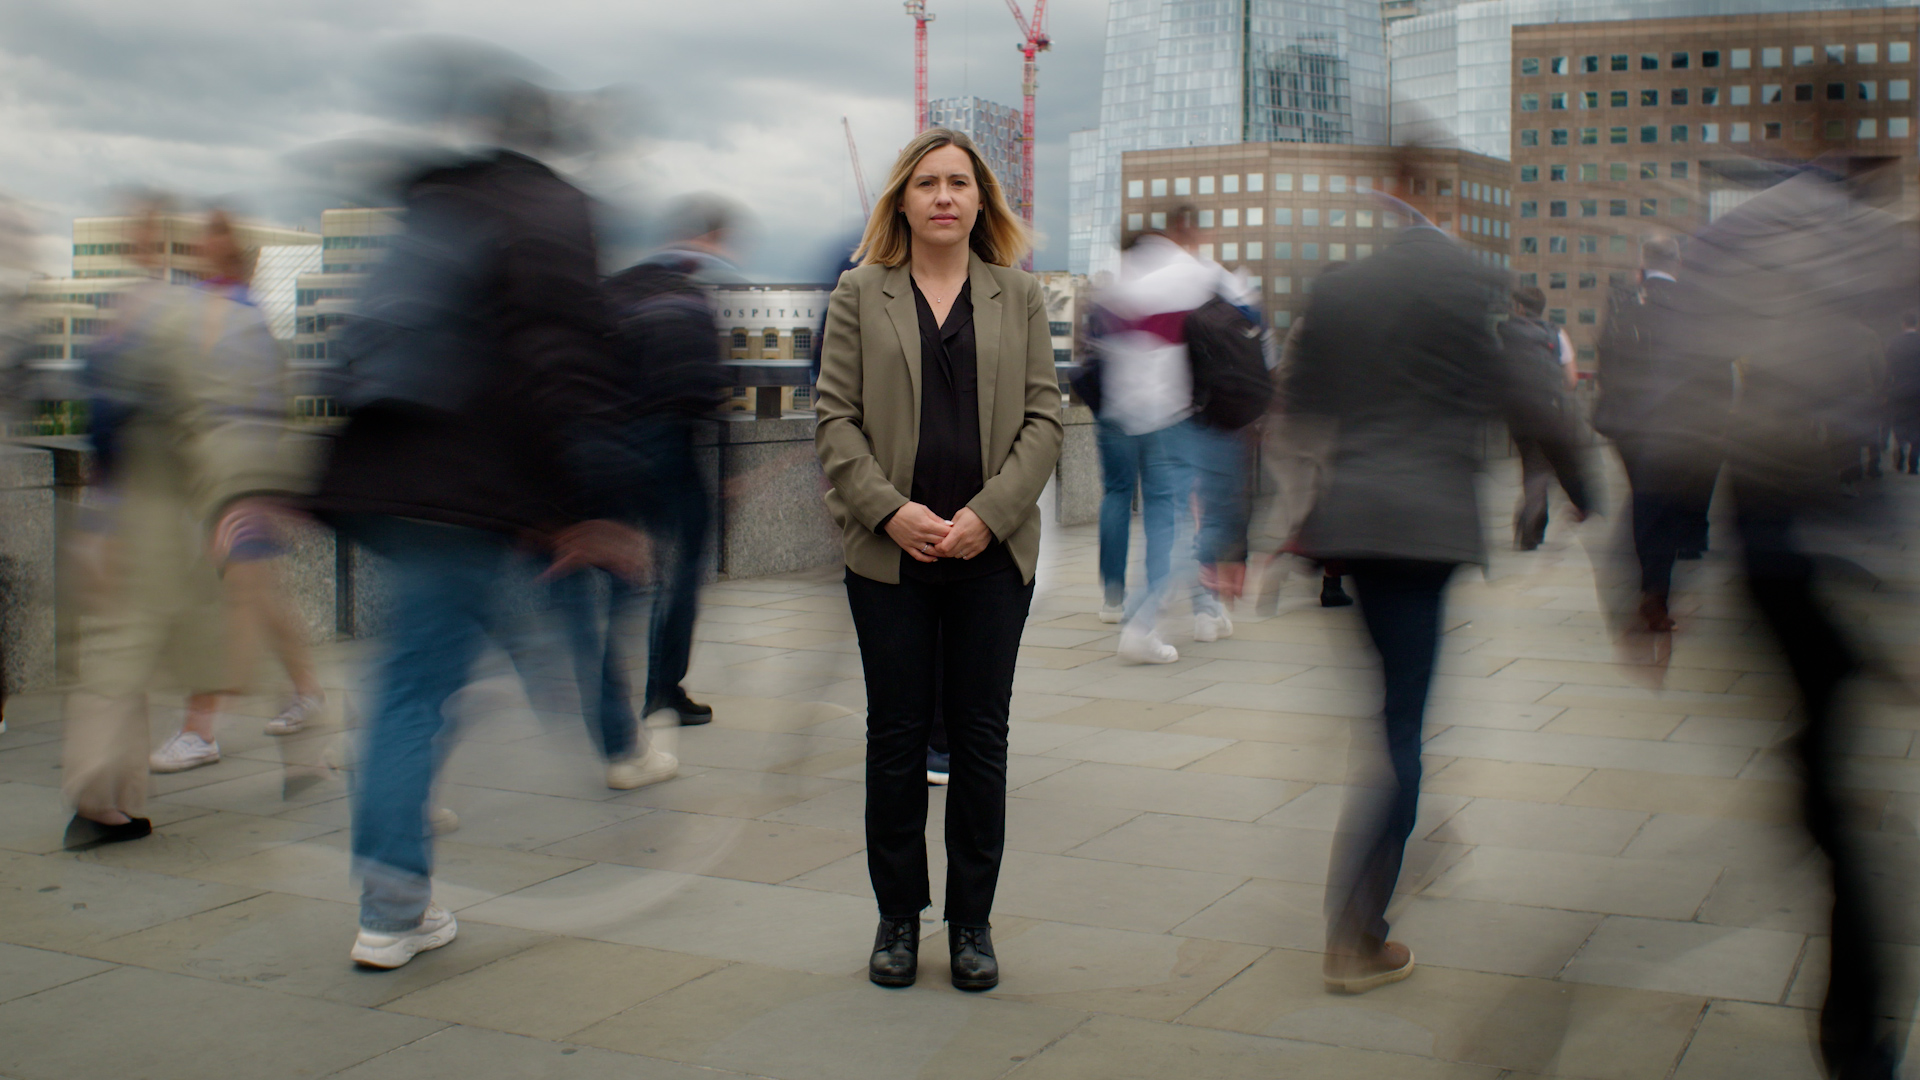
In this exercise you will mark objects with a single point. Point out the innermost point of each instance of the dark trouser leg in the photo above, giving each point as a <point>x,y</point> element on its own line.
<point>1696,500</point>
<point>1781,582</point>
<point>1119,475</point>
<point>898,627</point>
<point>1659,516</point>
<point>1536,478</point>
<point>683,527</point>
<point>1400,600</point>
<point>982,622</point>
<point>594,606</point>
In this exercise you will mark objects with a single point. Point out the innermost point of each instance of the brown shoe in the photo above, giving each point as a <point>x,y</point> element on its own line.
<point>1347,973</point>
<point>1653,614</point>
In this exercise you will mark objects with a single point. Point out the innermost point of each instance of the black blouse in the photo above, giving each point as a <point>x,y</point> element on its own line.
<point>946,468</point>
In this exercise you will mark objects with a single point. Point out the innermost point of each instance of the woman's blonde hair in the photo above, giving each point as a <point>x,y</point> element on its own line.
<point>998,237</point>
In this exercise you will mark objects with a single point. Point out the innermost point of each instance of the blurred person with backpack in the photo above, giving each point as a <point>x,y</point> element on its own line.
<point>1542,351</point>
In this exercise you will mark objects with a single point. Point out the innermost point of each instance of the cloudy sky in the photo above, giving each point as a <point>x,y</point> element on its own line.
<point>209,97</point>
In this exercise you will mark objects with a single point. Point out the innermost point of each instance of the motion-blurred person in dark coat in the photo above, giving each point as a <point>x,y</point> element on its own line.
<point>483,402</point>
<point>1903,394</point>
<point>1794,277</point>
<point>668,338</point>
<point>1399,353</point>
<point>1663,401</point>
<point>1530,340</point>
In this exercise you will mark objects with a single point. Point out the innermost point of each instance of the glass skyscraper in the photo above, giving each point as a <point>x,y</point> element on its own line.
<point>1453,73</point>
<point>1213,72</point>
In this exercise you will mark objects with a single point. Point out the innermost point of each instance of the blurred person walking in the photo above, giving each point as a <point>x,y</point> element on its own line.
<point>1398,355</point>
<point>189,435</point>
<point>1664,402</point>
<point>484,407</point>
<point>1903,394</point>
<point>1529,339</point>
<point>1148,427</point>
<point>939,426</point>
<point>1294,449</point>
<point>667,336</point>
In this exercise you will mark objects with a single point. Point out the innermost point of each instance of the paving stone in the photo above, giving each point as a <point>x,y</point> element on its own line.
<point>1155,749</point>
<point>461,1053</point>
<point>1650,887</point>
<point>1739,1040</point>
<point>1094,969</point>
<point>1689,958</point>
<point>743,848</point>
<point>1506,939</point>
<point>1121,1048</point>
<point>1513,824</point>
<point>1134,788</point>
<point>55,902</point>
<point>464,874</point>
<point>26,971</point>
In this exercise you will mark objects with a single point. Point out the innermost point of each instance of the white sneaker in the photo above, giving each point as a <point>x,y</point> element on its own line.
<point>443,821</point>
<point>295,716</point>
<point>375,949</point>
<point>651,768</point>
<point>182,752</point>
<point>1110,613</point>
<point>1145,647</point>
<point>1212,627</point>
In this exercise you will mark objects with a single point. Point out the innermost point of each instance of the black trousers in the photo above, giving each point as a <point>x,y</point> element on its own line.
<point>969,631</point>
<point>1400,600</point>
<point>1780,579</point>
<point>1672,490</point>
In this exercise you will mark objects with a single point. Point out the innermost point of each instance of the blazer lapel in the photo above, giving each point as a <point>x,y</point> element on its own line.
<point>898,286</point>
<point>986,344</point>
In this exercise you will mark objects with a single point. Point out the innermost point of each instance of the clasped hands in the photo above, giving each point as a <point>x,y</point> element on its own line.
<point>928,537</point>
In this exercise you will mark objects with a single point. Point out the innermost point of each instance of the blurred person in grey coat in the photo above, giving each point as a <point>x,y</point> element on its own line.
<point>1399,353</point>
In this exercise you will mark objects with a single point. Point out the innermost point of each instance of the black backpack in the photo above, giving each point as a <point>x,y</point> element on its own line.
<point>1231,385</point>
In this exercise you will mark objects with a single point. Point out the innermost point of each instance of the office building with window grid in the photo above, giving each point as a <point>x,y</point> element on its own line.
<point>994,129</point>
<point>1627,129</point>
<point>1189,73</point>
<point>1284,213</point>
<point>352,241</point>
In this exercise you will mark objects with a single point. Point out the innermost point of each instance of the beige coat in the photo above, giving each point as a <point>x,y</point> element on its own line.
<point>869,408</point>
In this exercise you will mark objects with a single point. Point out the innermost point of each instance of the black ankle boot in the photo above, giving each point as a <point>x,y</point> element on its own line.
<point>974,967</point>
<point>896,952</point>
<point>1332,595</point>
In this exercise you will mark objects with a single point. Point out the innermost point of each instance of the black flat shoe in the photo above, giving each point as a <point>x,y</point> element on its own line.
<point>1332,595</point>
<point>84,833</point>
<point>690,712</point>
<point>974,967</point>
<point>896,952</point>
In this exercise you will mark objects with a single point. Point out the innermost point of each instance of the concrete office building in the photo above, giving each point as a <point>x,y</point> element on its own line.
<point>1625,129</point>
<point>993,127</point>
<point>1185,74</point>
<point>1282,213</point>
<point>352,241</point>
<point>1453,70</point>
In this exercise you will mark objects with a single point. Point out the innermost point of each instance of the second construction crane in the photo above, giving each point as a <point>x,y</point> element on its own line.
<point>1034,41</point>
<point>918,10</point>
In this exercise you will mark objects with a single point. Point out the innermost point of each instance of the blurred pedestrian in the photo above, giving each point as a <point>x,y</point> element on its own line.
<point>1903,394</point>
<point>939,426</point>
<point>1294,451</point>
<point>1532,343</point>
<point>484,406</point>
<point>1664,403</point>
<point>1398,355</point>
<point>667,339</point>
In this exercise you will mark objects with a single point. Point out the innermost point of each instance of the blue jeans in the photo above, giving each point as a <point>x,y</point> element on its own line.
<point>1185,461</point>
<point>1150,461</point>
<point>442,580</point>
<point>678,518</point>
<point>596,607</point>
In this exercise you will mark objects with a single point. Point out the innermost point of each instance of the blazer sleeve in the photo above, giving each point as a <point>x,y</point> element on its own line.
<point>1012,493</point>
<point>839,433</point>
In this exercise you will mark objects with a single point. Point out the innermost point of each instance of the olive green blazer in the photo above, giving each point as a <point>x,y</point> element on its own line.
<point>868,404</point>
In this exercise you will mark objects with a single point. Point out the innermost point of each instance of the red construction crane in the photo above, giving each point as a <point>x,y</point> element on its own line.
<point>918,10</point>
<point>859,178</point>
<point>1036,42</point>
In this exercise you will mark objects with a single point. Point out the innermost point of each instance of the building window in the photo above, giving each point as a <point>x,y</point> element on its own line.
<point>1770,130</point>
<point>1363,219</point>
<point>1677,96</point>
<point>1802,55</point>
<point>1135,189</point>
<point>1557,208</point>
<point>1836,54</point>
<point>1616,245</point>
<point>1869,128</point>
<point>1649,62</point>
<point>1529,280</point>
<point>1740,133</point>
<point>1529,174</point>
<point>1866,54</point>
<point>740,340</point>
<point>1679,207</point>
<point>1283,319</point>
<point>1897,90</point>
<point>1557,316</point>
<point>1617,99</point>
<point>1557,281</point>
<point>1206,251</point>
<point>1183,185</point>
<point>1710,58</point>
<point>1256,181</point>
<point>1336,252</point>
<point>1556,245</point>
<point>1899,52</point>
<point>1649,170</point>
<point>1589,245</point>
<point>1256,215</point>
<point>1157,219</point>
<point>1309,181</point>
<point>1135,222</point>
<point>1678,61</point>
<point>1559,65</point>
<point>1557,172</point>
<point>1589,208</point>
<point>1559,137</point>
<point>1159,187</point>
<point>772,341</point>
<point>1616,208</point>
<point>1868,91</point>
<point>1770,94</point>
<point>1836,129</point>
<point>1206,185</point>
<point>1677,133</point>
<point>1229,218</point>
<point>1769,58</point>
<point>1590,64</point>
<point>1255,251</point>
<point>1587,316</point>
<point>1529,209</point>
<point>1617,136</point>
<point>1741,59</point>
<point>1836,91</point>
<point>1616,170</point>
<point>1709,95</point>
<point>1709,133</point>
<point>1649,207</point>
<point>1590,99</point>
<point>1530,66</point>
<point>1336,219</point>
<point>1310,252</point>
<point>1310,218</point>
<point>1588,279</point>
<point>1362,251</point>
<point>1741,95</point>
<point>1230,185</point>
<point>1337,185</point>
<point>1283,181</point>
<point>1557,101</point>
<point>803,337</point>
<point>1283,215</point>
<point>1589,171</point>
<point>1649,98</point>
<point>1229,252</point>
<point>1897,127</point>
<point>1650,133</point>
<point>1283,284</point>
<point>1804,91</point>
<point>1589,136</point>
<point>1618,62</point>
<point>1530,137</point>
<point>1283,249</point>
<point>1529,245</point>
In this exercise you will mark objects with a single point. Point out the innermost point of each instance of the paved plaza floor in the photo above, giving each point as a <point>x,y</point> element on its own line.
<point>1607,882</point>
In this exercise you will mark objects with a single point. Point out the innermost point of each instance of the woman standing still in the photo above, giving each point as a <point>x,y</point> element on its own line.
<point>939,424</point>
